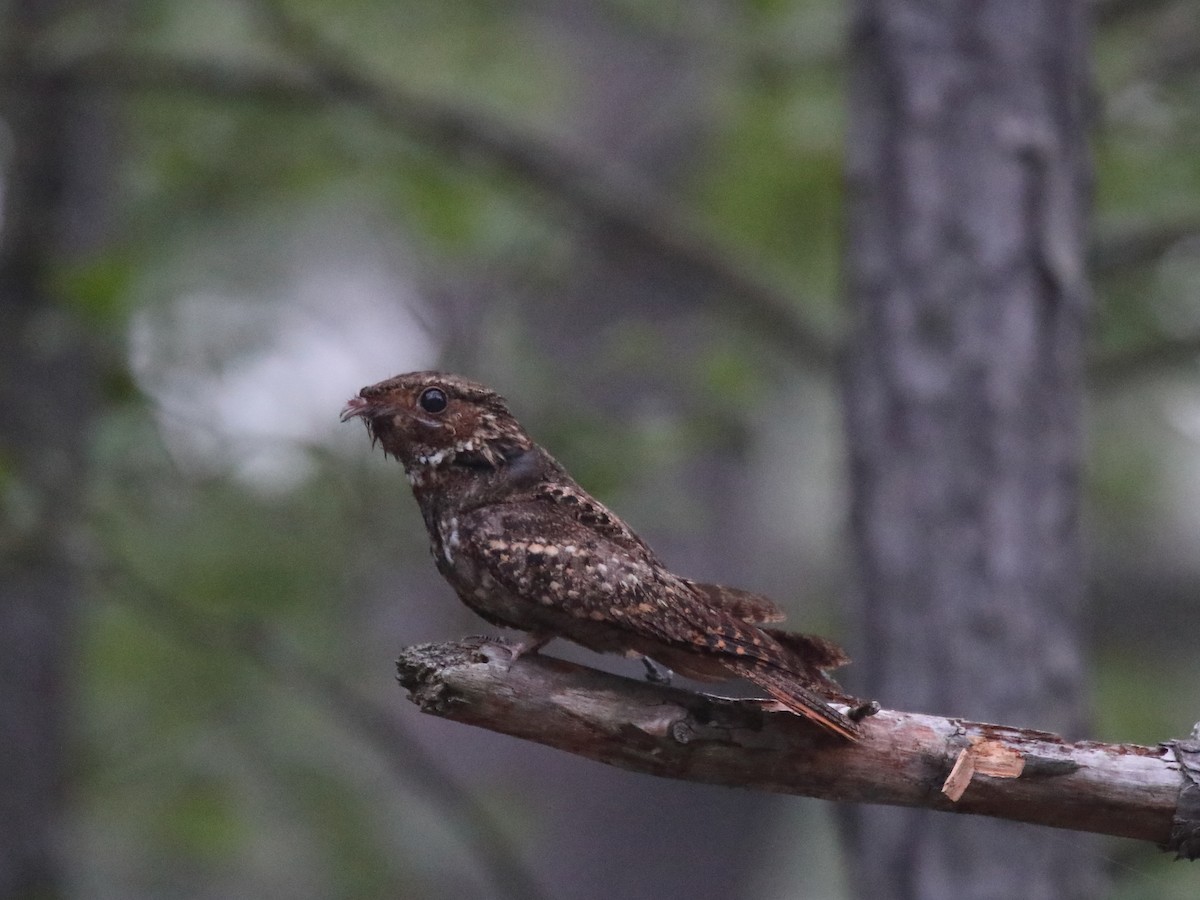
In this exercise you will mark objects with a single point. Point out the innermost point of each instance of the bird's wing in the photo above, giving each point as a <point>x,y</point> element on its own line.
<point>563,497</point>
<point>744,605</point>
<point>545,554</point>
<point>817,654</point>
<point>541,553</point>
<point>538,552</point>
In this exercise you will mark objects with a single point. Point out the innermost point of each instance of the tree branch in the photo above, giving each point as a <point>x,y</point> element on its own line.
<point>1120,368</point>
<point>598,193</point>
<point>606,196</point>
<point>1129,246</point>
<point>904,759</point>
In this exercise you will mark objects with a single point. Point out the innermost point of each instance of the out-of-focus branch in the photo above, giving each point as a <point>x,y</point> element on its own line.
<point>904,759</point>
<point>1177,60</point>
<point>1128,247</point>
<point>605,196</point>
<point>1137,245</point>
<point>1120,368</point>
<point>598,193</point>
<point>1117,12</point>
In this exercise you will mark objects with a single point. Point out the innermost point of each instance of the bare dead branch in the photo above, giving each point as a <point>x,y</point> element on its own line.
<point>904,759</point>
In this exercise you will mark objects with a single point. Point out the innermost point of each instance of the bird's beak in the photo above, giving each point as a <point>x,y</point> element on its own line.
<point>356,406</point>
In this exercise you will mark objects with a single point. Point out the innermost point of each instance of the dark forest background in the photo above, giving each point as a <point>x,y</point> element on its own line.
<point>684,240</point>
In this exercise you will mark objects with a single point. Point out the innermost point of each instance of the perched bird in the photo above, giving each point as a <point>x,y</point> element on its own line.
<point>527,548</point>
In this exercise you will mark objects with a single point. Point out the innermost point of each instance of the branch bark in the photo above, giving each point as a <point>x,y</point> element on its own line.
<point>904,759</point>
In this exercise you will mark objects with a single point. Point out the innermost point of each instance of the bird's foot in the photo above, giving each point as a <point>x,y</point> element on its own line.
<point>491,648</point>
<point>857,708</point>
<point>527,646</point>
<point>655,673</point>
<point>862,709</point>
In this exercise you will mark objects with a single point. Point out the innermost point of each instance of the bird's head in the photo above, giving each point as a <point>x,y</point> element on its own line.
<point>433,421</point>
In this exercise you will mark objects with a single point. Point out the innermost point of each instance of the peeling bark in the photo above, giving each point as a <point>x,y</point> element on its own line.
<point>904,759</point>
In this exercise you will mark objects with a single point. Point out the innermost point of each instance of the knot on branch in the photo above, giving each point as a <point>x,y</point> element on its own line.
<point>421,670</point>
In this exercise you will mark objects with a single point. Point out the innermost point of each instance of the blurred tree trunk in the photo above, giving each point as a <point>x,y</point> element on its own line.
<point>968,202</point>
<point>53,147</point>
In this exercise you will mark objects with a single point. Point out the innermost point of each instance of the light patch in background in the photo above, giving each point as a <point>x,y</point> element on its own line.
<point>253,385</point>
<point>1180,474</point>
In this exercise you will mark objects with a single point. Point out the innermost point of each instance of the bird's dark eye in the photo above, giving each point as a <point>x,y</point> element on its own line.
<point>433,400</point>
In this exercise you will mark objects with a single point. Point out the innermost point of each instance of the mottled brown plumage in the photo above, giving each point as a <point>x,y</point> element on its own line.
<point>527,548</point>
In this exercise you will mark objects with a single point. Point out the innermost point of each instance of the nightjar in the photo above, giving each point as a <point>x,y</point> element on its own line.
<point>526,547</point>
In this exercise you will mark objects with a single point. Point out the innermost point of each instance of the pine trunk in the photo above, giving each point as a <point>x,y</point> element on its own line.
<point>968,203</point>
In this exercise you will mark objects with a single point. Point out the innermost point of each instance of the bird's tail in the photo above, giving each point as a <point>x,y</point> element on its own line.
<point>794,696</point>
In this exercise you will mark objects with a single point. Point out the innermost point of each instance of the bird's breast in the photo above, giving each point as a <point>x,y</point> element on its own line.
<point>446,539</point>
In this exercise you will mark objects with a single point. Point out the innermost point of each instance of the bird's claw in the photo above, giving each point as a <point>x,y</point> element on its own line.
<point>655,673</point>
<point>527,646</point>
<point>488,647</point>
<point>862,710</point>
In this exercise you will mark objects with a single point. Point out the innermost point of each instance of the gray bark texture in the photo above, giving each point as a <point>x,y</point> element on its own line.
<point>903,759</point>
<point>969,186</point>
<point>52,149</point>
